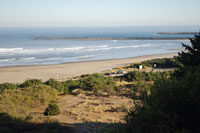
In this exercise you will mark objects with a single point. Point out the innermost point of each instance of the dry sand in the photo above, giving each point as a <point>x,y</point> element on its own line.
<point>18,74</point>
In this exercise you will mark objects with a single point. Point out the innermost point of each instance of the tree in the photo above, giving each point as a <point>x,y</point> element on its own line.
<point>191,57</point>
<point>173,104</point>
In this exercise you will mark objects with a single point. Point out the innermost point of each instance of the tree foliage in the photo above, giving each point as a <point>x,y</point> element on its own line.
<point>173,104</point>
<point>191,56</point>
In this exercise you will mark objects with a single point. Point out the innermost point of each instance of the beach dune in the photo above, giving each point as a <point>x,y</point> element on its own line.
<point>18,74</point>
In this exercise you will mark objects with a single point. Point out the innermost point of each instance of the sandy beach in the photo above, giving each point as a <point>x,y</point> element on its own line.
<point>18,74</point>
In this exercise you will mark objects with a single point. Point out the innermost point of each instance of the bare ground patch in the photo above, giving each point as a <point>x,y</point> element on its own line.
<point>88,112</point>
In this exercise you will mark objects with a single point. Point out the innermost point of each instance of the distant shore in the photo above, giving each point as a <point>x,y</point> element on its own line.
<point>109,38</point>
<point>18,74</point>
<point>177,33</point>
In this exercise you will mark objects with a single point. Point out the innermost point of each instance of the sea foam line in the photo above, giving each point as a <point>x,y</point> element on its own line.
<point>66,49</point>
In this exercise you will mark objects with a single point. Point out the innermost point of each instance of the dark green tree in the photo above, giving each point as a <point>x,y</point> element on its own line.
<point>191,57</point>
<point>174,103</point>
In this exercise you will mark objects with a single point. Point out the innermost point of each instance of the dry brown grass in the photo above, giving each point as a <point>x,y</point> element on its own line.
<point>87,107</point>
<point>19,103</point>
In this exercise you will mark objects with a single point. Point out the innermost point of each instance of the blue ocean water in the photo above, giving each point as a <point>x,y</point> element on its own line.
<point>18,47</point>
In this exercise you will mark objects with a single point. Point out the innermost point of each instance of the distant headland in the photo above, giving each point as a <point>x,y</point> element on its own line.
<point>176,33</point>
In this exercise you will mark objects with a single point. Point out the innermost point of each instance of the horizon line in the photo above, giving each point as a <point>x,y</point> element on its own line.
<point>133,26</point>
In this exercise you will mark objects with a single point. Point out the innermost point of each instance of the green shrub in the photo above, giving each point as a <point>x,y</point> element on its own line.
<point>65,91</point>
<point>31,82</point>
<point>97,82</point>
<point>55,84</point>
<point>52,109</point>
<point>72,84</point>
<point>134,65</point>
<point>162,63</point>
<point>93,82</point>
<point>137,89</point>
<point>145,76</point>
<point>7,86</point>
<point>135,76</point>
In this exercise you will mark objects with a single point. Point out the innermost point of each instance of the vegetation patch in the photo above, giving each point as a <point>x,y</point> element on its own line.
<point>159,63</point>
<point>18,103</point>
<point>31,82</point>
<point>145,76</point>
<point>173,104</point>
<point>52,109</point>
<point>7,86</point>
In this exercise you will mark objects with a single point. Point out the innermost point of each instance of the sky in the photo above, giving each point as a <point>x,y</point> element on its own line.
<point>98,13</point>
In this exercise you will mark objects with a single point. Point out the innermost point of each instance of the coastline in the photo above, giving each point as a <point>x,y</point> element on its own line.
<point>18,74</point>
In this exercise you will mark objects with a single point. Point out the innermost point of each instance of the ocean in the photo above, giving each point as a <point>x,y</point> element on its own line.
<point>19,46</point>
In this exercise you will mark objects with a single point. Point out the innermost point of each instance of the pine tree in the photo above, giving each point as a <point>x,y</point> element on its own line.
<point>191,56</point>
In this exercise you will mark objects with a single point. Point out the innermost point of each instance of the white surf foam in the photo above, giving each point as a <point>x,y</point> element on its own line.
<point>8,60</point>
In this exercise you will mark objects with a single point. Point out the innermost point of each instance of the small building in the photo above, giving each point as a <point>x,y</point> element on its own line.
<point>140,67</point>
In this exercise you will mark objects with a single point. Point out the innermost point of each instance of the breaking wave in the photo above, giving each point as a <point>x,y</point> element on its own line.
<point>66,49</point>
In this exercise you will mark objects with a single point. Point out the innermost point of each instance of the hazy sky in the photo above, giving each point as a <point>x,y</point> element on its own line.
<point>67,13</point>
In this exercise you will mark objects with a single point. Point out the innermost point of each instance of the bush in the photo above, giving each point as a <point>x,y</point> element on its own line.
<point>72,84</point>
<point>7,86</point>
<point>136,90</point>
<point>31,82</point>
<point>134,65</point>
<point>98,82</point>
<point>65,91</point>
<point>55,84</point>
<point>160,63</point>
<point>145,76</point>
<point>52,109</point>
<point>134,76</point>
<point>94,82</point>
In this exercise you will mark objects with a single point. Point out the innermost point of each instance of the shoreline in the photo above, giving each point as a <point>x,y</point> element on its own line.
<point>64,71</point>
